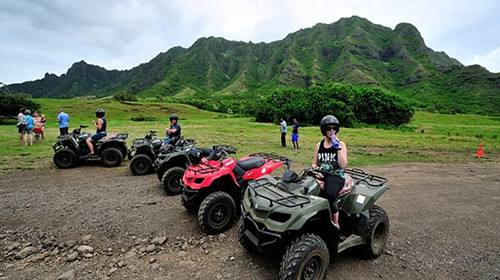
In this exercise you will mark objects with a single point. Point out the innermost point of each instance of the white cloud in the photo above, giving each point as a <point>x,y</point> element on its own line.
<point>490,60</point>
<point>50,35</point>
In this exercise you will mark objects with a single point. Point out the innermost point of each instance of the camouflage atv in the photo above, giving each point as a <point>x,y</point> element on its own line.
<point>293,216</point>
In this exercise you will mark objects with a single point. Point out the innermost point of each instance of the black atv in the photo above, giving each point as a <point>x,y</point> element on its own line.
<point>173,161</point>
<point>72,148</point>
<point>143,153</point>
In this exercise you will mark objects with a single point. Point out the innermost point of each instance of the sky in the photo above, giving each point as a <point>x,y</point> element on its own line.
<point>48,36</point>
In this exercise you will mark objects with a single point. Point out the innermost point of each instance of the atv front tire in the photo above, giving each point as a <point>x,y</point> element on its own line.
<point>141,165</point>
<point>65,158</point>
<point>111,157</point>
<point>244,242</point>
<point>171,180</point>
<point>306,258</point>
<point>216,213</point>
<point>378,233</point>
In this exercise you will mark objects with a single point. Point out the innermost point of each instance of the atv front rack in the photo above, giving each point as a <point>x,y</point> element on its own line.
<point>291,200</point>
<point>361,176</point>
<point>204,170</point>
<point>272,156</point>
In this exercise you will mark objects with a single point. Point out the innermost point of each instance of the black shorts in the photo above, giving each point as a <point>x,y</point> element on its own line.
<point>333,185</point>
<point>63,130</point>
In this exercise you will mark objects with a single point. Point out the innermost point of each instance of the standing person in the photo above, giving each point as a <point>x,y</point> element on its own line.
<point>63,121</point>
<point>330,155</point>
<point>43,120</point>
<point>20,125</point>
<point>295,134</point>
<point>101,126</point>
<point>37,130</point>
<point>174,132</point>
<point>283,132</point>
<point>28,129</point>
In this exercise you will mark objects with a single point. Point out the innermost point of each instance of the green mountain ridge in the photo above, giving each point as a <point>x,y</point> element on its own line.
<point>352,50</point>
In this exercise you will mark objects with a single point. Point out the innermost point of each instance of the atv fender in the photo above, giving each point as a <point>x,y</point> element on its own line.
<point>361,198</point>
<point>310,219</point>
<point>172,160</point>
<point>119,144</point>
<point>144,149</point>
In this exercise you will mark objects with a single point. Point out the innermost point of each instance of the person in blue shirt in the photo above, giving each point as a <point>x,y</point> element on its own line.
<point>174,132</point>
<point>63,121</point>
<point>100,125</point>
<point>28,128</point>
<point>295,134</point>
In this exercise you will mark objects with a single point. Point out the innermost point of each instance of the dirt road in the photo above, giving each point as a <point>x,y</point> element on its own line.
<point>445,223</point>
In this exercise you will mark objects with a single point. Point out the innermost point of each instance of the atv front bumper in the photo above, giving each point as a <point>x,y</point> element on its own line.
<point>192,197</point>
<point>257,234</point>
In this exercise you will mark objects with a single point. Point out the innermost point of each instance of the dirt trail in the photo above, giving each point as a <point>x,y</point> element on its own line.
<point>444,225</point>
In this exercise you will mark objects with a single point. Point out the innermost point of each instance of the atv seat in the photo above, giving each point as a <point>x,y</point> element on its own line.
<point>251,163</point>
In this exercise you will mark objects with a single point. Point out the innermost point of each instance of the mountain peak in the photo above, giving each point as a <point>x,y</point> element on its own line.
<point>407,29</point>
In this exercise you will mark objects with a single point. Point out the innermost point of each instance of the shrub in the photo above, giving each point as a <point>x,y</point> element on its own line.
<point>142,118</point>
<point>348,103</point>
<point>11,103</point>
<point>124,96</point>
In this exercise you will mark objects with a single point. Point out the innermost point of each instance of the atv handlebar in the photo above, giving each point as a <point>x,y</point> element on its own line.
<point>226,148</point>
<point>221,152</point>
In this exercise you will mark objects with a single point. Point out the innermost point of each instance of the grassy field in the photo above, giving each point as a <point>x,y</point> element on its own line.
<point>429,137</point>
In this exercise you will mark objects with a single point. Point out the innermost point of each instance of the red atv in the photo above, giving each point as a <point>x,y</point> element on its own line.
<point>214,185</point>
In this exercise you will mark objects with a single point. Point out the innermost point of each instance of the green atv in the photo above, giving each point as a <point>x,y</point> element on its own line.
<point>293,216</point>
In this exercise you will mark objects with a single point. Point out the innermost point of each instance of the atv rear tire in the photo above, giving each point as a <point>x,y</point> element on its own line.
<point>378,233</point>
<point>244,242</point>
<point>141,165</point>
<point>171,180</point>
<point>216,213</point>
<point>65,158</point>
<point>111,157</point>
<point>306,258</point>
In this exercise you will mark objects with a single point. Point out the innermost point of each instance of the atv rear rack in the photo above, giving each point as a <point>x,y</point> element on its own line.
<point>361,176</point>
<point>292,200</point>
<point>272,156</point>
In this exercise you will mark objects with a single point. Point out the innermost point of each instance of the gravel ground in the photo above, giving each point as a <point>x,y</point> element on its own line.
<point>64,224</point>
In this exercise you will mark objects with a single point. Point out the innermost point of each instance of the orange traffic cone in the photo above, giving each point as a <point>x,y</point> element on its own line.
<point>480,152</point>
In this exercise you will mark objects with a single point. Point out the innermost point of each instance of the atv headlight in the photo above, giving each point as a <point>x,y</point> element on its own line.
<point>279,217</point>
<point>198,180</point>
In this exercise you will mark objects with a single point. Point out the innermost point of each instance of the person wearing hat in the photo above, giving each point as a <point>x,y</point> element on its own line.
<point>100,125</point>
<point>28,128</point>
<point>330,157</point>
<point>173,133</point>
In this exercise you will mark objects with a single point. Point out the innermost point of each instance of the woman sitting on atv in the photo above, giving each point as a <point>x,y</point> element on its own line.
<point>100,125</point>
<point>330,156</point>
